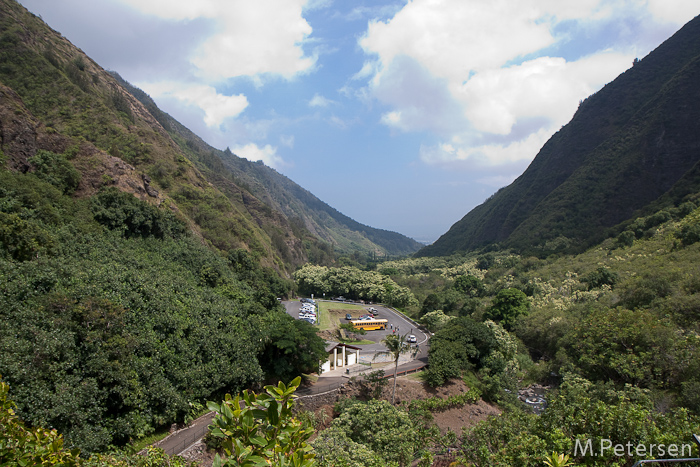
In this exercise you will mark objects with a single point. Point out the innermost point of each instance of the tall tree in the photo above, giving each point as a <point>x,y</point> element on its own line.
<point>396,346</point>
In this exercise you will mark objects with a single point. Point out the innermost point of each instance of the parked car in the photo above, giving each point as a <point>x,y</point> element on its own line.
<point>310,320</point>
<point>411,339</point>
<point>348,316</point>
<point>307,300</point>
<point>340,299</point>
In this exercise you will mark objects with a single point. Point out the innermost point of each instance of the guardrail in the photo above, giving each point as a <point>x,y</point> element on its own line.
<point>187,440</point>
<point>318,389</point>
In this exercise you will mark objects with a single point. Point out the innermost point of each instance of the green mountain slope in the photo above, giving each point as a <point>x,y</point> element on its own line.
<point>297,204</point>
<point>73,107</point>
<point>633,143</point>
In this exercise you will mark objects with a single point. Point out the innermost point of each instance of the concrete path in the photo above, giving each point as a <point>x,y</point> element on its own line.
<point>182,439</point>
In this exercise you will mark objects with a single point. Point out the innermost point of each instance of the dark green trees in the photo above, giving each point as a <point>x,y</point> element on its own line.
<point>507,306</point>
<point>290,348</point>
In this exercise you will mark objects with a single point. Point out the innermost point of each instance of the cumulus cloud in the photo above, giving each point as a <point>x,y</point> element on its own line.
<point>253,152</point>
<point>319,101</point>
<point>486,155</point>
<point>251,38</point>
<point>472,72</point>
<point>216,107</point>
<point>494,100</point>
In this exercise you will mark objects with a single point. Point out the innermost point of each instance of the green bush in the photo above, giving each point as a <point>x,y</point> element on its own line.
<point>125,213</point>
<point>507,307</point>
<point>56,170</point>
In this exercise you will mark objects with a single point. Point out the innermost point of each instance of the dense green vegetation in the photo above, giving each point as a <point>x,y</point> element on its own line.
<point>615,330</point>
<point>352,283</point>
<point>120,315</point>
<point>260,429</point>
<point>114,318</point>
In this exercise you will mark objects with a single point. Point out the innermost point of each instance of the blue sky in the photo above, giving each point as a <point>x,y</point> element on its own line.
<point>403,115</point>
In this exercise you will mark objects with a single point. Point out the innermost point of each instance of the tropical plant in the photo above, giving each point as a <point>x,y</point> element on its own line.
<point>24,446</point>
<point>261,430</point>
<point>557,460</point>
<point>396,346</point>
<point>508,306</point>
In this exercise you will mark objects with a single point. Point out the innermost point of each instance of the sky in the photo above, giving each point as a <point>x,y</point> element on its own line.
<point>403,115</point>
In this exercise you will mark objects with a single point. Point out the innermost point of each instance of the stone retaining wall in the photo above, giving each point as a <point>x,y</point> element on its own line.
<point>315,401</point>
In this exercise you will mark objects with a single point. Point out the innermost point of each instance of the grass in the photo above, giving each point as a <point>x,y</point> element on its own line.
<point>354,342</point>
<point>141,443</point>
<point>331,314</point>
<point>418,376</point>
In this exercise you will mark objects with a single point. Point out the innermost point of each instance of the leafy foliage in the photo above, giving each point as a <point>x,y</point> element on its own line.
<point>461,345</point>
<point>23,446</point>
<point>384,429</point>
<point>352,283</point>
<point>581,411</point>
<point>123,212</point>
<point>508,306</point>
<point>260,429</point>
<point>291,347</point>
<point>55,169</point>
<point>113,332</point>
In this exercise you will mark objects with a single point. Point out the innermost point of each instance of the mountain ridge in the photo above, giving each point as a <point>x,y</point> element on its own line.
<point>626,147</point>
<point>76,108</point>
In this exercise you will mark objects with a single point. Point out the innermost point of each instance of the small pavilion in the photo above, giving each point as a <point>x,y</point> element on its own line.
<point>339,355</point>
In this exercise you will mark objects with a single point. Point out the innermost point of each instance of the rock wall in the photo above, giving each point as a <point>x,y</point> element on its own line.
<point>315,401</point>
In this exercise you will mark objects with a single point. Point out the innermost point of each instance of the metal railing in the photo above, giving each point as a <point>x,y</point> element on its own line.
<point>318,389</point>
<point>187,440</point>
<point>696,438</point>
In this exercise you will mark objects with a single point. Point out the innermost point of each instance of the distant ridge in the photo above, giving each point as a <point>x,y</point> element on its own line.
<point>115,135</point>
<point>294,202</point>
<point>633,145</point>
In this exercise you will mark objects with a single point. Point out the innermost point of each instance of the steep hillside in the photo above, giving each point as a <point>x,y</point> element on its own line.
<point>633,143</point>
<point>299,206</point>
<point>72,107</point>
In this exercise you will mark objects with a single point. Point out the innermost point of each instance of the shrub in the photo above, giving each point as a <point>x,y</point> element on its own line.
<point>56,170</point>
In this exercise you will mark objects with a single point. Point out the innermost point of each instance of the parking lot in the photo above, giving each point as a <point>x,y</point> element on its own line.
<point>397,324</point>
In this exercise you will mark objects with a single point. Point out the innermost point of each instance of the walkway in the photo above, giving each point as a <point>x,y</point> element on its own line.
<point>182,439</point>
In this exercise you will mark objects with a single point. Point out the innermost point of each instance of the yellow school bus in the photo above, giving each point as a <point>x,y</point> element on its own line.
<point>369,324</point>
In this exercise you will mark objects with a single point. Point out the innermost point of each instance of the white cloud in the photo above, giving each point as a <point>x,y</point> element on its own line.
<point>216,107</point>
<point>452,37</point>
<point>319,101</point>
<point>250,38</point>
<point>474,72</point>
<point>674,11</point>
<point>549,87</point>
<point>253,152</point>
<point>486,155</point>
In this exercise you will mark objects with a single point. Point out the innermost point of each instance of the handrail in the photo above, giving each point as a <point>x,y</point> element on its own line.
<point>696,438</point>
